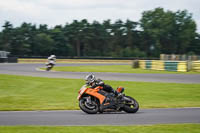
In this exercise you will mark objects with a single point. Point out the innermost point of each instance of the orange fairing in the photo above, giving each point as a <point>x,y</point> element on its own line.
<point>94,92</point>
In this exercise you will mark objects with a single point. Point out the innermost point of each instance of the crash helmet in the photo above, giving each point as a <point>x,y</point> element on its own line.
<point>90,79</point>
<point>52,57</point>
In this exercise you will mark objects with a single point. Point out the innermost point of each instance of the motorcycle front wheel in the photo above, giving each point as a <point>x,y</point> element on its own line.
<point>131,105</point>
<point>48,68</point>
<point>90,108</point>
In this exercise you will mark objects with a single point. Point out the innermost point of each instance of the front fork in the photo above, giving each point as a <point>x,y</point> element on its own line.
<point>88,100</point>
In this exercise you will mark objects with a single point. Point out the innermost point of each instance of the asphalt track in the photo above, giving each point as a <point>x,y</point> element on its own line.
<point>30,70</point>
<point>69,118</point>
<point>78,118</point>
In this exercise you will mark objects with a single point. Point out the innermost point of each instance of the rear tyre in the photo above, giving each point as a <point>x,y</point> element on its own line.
<point>90,108</point>
<point>131,105</point>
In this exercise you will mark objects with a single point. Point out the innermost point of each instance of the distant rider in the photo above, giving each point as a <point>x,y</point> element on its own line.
<point>52,59</point>
<point>51,62</point>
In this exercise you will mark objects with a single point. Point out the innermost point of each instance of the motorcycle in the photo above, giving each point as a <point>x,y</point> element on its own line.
<point>96,100</point>
<point>50,65</point>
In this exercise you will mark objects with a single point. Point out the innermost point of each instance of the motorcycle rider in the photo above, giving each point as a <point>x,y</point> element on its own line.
<point>51,60</point>
<point>93,82</point>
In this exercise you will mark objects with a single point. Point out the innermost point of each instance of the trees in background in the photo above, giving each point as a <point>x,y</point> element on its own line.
<point>157,32</point>
<point>168,32</point>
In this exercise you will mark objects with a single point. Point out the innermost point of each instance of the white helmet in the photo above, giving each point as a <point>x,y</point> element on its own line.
<point>90,79</point>
<point>53,56</point>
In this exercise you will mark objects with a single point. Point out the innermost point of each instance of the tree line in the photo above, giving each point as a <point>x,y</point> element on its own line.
<point>157,32</point>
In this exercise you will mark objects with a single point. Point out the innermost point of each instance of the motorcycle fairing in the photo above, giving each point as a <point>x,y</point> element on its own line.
<point>94,92</point>
<point>120,89</point>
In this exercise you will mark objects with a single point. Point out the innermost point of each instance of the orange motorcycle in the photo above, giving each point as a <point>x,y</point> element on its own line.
<point>96,100</point>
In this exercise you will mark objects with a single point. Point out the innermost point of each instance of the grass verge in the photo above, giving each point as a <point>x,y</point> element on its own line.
<point>115,69</point>
<point>36,93</point>
<point>168,128</point>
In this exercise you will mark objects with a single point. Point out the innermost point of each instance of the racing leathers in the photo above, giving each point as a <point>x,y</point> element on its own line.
<point>105,87</point>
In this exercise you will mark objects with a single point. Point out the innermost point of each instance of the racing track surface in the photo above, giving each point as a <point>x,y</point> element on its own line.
<point>74,117</point>
<point>30,70</point>
<point>69,118</point>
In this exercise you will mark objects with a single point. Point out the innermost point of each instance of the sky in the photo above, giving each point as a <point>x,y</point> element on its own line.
<point>60,12</point>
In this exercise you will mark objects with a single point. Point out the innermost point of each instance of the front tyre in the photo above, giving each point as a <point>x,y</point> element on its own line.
<point>90,108</point>
<point>48,68</point>
<point>131,105</point>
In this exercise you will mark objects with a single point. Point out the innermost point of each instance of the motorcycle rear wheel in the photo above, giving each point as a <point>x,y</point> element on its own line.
<point>131,106</point>
<point>88,108</point>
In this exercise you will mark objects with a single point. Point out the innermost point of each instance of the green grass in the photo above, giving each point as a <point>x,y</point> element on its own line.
<point>168,128</point>
<point>115,69</point>
<point>36,93</point>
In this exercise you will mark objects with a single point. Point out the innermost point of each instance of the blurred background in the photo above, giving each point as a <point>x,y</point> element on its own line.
<point>117,29</point>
